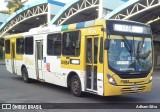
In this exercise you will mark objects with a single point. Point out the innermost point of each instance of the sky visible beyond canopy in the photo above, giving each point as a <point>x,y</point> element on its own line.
<point>3,3</point>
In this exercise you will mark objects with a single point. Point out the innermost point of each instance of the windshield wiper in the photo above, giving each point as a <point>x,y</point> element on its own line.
<point>129,49</point>
<point>142,43</point>
<point>139,48</point>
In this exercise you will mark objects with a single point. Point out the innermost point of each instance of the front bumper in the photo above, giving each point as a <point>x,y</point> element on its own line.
<point>111,90</point>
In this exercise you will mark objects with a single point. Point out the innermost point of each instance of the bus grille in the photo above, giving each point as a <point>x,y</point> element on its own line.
<point>129,90</point>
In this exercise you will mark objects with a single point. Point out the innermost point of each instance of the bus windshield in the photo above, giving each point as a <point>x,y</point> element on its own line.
<point>138,59</point>
<point>130,47</point>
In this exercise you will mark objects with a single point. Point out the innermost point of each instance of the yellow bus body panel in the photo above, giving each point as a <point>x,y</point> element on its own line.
<point>143,85</point>
<point>12,39</point>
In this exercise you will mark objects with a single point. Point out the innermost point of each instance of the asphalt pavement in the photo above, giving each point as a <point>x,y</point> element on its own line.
<point>14,90</point>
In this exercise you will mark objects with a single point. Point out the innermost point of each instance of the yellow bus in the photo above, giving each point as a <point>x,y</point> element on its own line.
<point>103,57</point>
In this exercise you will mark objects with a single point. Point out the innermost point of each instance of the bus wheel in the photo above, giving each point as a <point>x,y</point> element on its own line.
<point>25,75</point>
<point>76,86</point>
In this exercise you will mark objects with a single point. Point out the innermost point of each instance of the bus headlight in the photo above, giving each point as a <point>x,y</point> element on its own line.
<point>150,79</point>
<point>111,80</point>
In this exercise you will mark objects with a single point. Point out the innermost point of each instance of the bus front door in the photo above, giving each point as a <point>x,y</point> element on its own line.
<point>39,59</point>
<point>91,63</point>
<point>13,57</point>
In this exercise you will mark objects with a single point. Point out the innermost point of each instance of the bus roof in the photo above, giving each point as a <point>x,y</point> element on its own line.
<point>54,28</point>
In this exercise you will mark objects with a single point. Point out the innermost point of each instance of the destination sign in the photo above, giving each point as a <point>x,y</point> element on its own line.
<point>131,28</point>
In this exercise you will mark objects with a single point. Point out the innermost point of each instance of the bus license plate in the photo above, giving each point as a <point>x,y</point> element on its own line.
<point>135,88</point>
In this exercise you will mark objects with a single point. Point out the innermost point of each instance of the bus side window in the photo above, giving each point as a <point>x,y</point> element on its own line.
<point>101,51</point>
<point>95,50</point>
<point>71,43</point>
<point>29,45</point>
<point>7,46</point>
<point>20,45</point>
<point>54,44</point>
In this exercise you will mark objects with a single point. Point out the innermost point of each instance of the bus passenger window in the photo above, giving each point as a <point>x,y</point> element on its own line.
<point>7,46</point>
<point>54,44</point>
<point>29,45</point>
<point>20,45</point>
<point>101,51</point>
<point>71,43</point>
<point>95,49</point>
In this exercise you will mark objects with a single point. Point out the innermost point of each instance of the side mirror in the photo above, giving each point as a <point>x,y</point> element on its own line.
<point>106,44</point>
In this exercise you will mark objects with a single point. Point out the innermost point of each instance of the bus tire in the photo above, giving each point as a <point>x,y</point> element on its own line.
<point>25,75</point>
<point>75,86</point>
